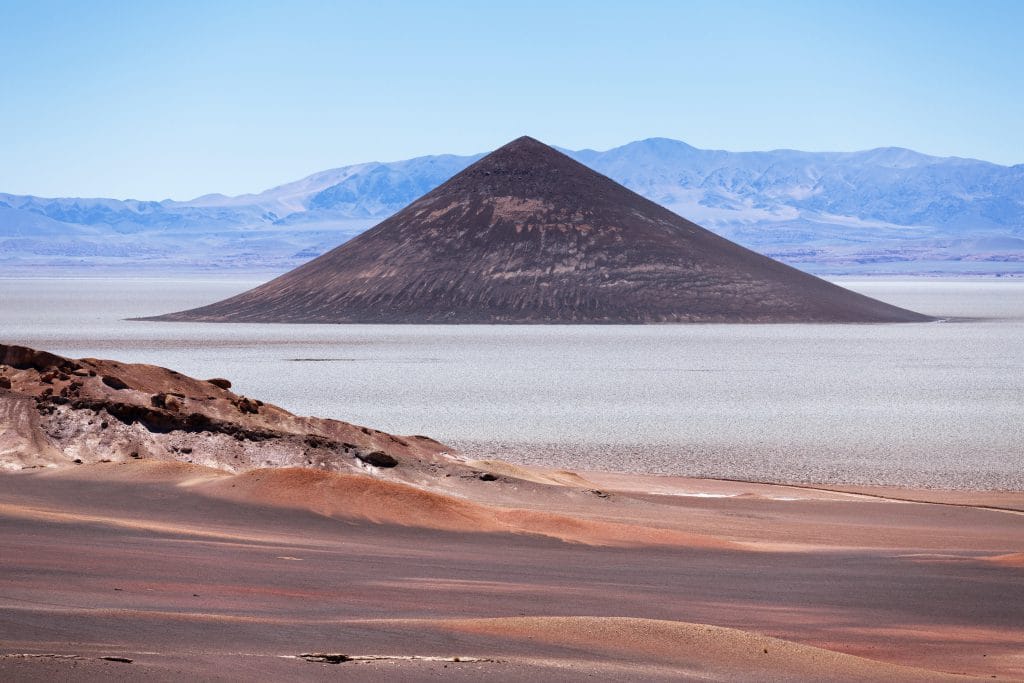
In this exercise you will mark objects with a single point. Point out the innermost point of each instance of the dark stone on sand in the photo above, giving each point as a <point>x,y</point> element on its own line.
<point>247,405</point>
<point>325,658</point>
<point>487,476</point>
<point>5,382</point>
<point>378,459</point>
<point>314,441</point>
<point>167,401</point>
<point>220,382</point>
<point>114,382</point>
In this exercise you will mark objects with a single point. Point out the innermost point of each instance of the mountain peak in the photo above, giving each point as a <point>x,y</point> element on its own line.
<point>523,142</point>
<point>523,153</point>
<point>525,168</point>
<point>528,235</point>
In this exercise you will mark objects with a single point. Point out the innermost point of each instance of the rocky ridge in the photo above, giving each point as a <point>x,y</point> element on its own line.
<point>57,411</point>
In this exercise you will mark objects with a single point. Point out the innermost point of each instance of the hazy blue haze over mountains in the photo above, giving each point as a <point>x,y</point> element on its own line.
<point>881,210</point>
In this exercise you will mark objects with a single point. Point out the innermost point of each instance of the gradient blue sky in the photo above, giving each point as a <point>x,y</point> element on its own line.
<point>151,100</point>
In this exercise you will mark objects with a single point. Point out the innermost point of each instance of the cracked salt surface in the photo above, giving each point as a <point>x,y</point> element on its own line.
<point>936,404</point>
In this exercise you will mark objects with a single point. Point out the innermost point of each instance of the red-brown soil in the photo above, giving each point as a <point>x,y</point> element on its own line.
<point>190,571</point>
<point>232,572</point>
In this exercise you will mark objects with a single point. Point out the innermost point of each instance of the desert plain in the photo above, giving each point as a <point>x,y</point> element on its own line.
<point>193,571</point>
<point>159,526</point>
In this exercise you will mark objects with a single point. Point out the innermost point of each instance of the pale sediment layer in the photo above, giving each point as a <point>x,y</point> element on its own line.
<point>791,463</point>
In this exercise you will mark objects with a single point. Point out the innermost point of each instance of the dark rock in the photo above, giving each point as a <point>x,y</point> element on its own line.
<point>326,658</point>
<point>528,235</point>
<point>220,382</point>
<point>315,441</point>
<point>487,476</point>
<point>24,358</point>
<point>378,459</point>
<point>5,382</point>
<point>123,660</point>
<point>114,382</point>
<point>167,401</point>
<point>161,421</point>
<point>247,405</point>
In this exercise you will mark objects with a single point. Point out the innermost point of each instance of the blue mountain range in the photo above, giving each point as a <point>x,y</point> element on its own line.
<point>887,210</point>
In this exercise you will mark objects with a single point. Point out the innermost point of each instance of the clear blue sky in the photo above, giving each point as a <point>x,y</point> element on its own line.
<point>150,100</point>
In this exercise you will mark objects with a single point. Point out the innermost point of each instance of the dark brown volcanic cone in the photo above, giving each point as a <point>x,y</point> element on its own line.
<point>527,235</point>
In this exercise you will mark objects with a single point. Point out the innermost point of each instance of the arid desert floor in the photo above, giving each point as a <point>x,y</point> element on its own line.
<point>230,539</point>
<point>191,571</point>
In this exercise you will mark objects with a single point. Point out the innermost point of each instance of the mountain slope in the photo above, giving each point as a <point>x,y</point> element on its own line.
<point>527,235</point>
<point>880,206</point>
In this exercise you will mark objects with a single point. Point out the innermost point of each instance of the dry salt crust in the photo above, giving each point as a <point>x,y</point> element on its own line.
<point>934,404</point>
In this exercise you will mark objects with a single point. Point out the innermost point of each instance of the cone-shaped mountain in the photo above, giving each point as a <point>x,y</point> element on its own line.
<point>527,235</point>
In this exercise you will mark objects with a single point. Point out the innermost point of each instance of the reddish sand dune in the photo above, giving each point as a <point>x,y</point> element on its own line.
<point>1010,560</point>
<point>383,502</point>
<point>699,650</point>
<point>189,571</point>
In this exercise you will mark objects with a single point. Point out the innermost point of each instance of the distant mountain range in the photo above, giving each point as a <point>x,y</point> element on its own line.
<point>888,210</point>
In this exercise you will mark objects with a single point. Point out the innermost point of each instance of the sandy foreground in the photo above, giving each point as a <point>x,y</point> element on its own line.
<point>188,570</point>
<point>158,526</point>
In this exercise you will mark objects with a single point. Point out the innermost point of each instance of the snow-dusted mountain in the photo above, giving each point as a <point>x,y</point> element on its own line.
<point>888,209</point>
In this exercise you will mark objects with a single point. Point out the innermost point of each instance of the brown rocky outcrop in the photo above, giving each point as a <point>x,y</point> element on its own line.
<point>57,411</point>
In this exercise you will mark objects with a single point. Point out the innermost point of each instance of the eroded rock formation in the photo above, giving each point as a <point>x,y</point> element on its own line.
<point>60,411</point>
